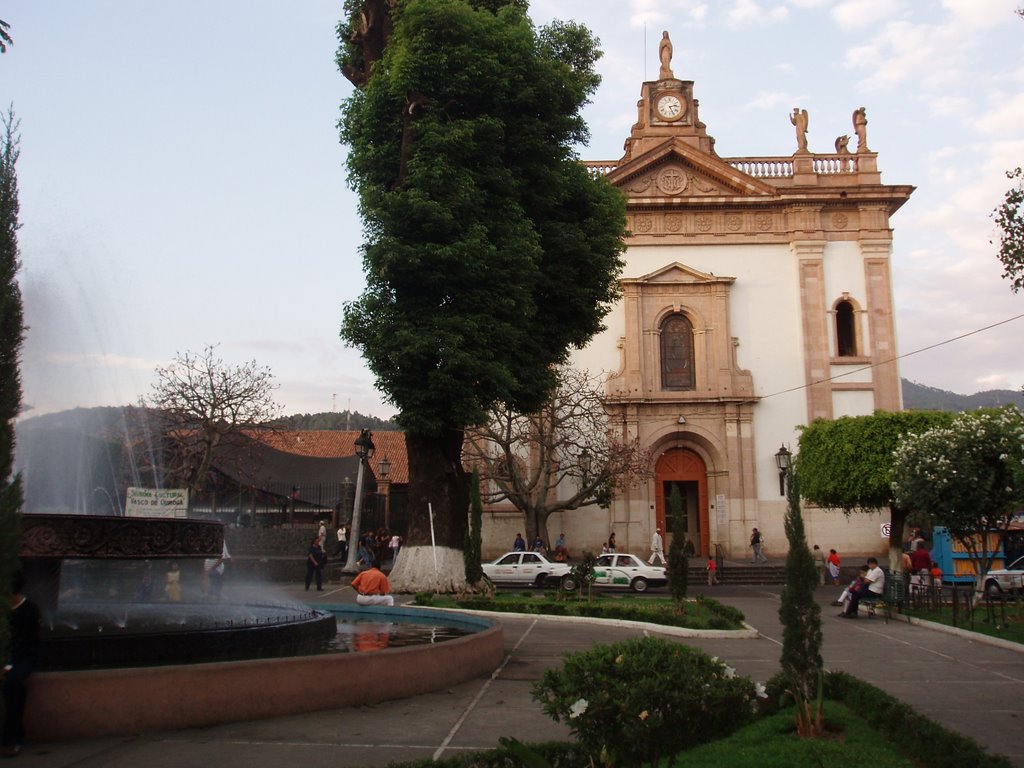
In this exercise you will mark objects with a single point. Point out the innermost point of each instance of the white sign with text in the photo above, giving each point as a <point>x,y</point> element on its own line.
<point>150,502</point>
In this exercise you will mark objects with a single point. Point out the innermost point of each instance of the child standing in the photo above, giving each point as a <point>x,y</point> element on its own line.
<point>712,571</point>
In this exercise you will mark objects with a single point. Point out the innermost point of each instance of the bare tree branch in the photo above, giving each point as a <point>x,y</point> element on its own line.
<point>561,458</point>
<point>211,413</point>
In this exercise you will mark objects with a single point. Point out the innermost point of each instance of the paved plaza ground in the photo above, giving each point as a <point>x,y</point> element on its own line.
<point>967,685</point>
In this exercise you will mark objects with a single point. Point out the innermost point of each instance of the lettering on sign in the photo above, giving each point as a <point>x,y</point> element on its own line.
<point>151,502</point>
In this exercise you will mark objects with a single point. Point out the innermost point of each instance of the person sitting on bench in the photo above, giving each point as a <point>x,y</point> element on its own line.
<point>875,581</point>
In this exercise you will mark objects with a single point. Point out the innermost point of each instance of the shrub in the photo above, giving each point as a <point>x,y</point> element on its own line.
<point>642,700</point>
<point>910,731</point>
<point>424,598</point>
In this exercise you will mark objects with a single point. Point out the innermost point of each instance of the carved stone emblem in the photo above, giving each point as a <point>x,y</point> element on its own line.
<point>763,222</point>
<point>644,222</point>
<point>733,222</point>
<point>673,222</point>
<point>672,181</point>
<point>840,220</point>
<point>704,223</point>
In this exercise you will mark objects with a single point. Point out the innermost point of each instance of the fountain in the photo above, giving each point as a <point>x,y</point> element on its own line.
<point>86,573</point>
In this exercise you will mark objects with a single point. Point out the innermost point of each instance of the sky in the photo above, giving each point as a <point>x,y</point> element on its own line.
<point>182,182</point>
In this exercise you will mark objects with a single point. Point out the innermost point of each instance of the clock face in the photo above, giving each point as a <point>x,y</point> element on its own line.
<point>670,107</point>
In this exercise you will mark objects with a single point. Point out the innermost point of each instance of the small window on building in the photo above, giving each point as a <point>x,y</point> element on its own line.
<point>677,353</point>
<point>846,330</point>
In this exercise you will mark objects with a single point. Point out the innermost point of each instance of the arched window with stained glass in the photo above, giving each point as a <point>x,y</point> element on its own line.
<point>677,353</point>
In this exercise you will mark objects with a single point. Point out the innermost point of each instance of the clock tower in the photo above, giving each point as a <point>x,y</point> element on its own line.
<point>666,110</point>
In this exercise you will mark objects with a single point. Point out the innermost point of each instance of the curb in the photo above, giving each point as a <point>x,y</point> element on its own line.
<point>722,634</point>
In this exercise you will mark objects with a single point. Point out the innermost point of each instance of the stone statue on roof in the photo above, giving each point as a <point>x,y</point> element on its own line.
<point>800,120</point>
<point>860,127</point>
<point>665,55</point>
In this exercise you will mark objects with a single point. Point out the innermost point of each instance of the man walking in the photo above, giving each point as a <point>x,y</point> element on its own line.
<point>657,547</point>
<point>757,542</point>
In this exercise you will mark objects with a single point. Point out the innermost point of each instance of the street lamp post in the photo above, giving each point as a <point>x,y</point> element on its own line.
<point>364,450</point>
<point>783,460</point>
<point>383,470</point>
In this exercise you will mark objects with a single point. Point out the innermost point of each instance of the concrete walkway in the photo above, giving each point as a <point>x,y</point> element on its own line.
<point>964,684</point>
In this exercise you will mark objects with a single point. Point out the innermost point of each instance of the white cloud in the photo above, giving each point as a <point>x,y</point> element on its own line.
<point>744,12</point>
<point>1006,118</point>
<point>855,14</point>
<point>980,13</point>
<point>772,99</point>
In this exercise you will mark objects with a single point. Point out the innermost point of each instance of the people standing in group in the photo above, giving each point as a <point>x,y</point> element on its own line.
<point>372,586</point>
<point>920,565</point>
<point>611,542</point>
<point>21,660</point>
<point>712,570</point>
<point>657,547</point>
<point>342,550</point>
<point>833,566</point>
<point>821,563</point>
<point>365,551</point>
<point>757,542</point>
<point>315,560</point>
<point>213,572</point>
<point>519,545</point>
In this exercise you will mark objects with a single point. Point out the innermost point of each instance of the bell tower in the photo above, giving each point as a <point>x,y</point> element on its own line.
<point>667,109</point>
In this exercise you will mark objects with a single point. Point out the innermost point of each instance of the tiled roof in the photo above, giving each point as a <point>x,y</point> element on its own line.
<point>331,444</point>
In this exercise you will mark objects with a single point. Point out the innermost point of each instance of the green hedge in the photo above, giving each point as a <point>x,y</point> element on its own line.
<point>913,733</point>
<point>711,614</point>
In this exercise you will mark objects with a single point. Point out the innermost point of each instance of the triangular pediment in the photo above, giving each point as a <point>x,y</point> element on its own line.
<point>676,274</point>
<point>677,169</point>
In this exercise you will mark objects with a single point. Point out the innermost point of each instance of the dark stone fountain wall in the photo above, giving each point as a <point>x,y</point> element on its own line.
<point>48,540</point>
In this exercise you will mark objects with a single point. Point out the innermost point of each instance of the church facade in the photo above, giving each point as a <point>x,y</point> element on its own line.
<point>756,297</point>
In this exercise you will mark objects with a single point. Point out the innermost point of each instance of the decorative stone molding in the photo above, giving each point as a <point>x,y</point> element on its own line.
<point>93,536</point>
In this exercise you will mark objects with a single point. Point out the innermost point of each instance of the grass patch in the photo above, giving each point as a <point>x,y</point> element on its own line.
<point>772,743</point>
<point>701,613</point>
<point>1005,621</point>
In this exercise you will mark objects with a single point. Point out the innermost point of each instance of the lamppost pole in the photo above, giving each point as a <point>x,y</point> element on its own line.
<point>364,450</point>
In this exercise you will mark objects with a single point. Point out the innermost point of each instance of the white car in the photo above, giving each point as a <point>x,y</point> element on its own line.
<point>528,568</point>
<point>628,572</point>
<point>1002,580</point>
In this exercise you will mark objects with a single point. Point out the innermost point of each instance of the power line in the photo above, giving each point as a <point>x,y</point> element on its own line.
<point>894,359</point>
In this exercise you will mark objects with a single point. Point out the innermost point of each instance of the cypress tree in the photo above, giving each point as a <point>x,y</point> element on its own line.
<point>678,563</point>
<point>12,331</point>
<point>799,613</point>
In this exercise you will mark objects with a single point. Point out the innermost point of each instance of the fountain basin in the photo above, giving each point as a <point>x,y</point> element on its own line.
<point>112,702</point>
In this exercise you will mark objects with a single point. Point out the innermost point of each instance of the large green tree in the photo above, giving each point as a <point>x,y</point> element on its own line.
<point>967,476</point>
<point>847,464</point>
<point>12,332</point>
<point>489,250</point>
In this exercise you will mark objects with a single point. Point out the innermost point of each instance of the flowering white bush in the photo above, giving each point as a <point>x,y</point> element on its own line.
<point>636,702</point>
<point>968,477</point>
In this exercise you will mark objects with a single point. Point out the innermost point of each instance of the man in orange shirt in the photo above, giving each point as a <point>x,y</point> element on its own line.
<point>372,587</point>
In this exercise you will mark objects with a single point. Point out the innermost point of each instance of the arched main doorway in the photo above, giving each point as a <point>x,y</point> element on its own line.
<point>684,468</point>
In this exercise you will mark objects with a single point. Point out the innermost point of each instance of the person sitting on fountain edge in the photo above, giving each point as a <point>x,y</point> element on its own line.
<point>372,586</point>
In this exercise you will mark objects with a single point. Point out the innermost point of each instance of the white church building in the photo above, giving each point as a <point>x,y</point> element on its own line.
<point>757,297</point>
